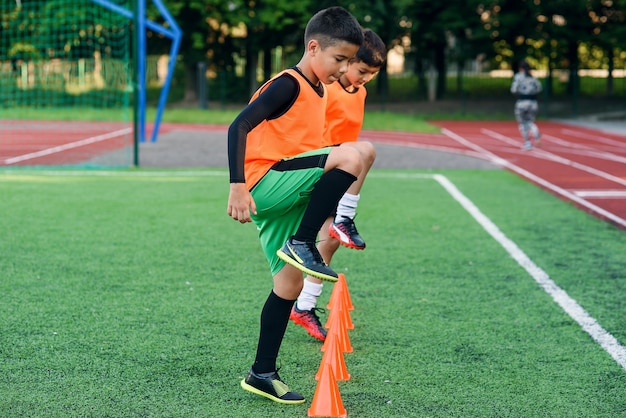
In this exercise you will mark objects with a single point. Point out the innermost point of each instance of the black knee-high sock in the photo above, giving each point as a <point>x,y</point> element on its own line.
<point>324,198</point>
<point>274,320</point>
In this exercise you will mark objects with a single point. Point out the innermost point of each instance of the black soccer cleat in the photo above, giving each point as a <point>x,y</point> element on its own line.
<point>271,387</point>
<point>305,257</point>
<point>345,232</point>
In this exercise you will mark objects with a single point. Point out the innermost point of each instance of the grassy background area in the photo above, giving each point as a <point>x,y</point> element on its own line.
<point>131,293</point>
<point>376,119</point>
<point>406,88</point>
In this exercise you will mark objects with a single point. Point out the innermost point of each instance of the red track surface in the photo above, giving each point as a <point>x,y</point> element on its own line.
<point>581,165</point>
<point>59,143</point>
<point>53,143</point>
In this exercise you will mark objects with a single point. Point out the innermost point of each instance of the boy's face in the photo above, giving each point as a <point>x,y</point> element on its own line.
<point>330,63</point>
<point>360,73</point>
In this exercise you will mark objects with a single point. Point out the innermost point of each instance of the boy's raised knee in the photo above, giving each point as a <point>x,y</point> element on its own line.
<point>369,153</point>
<point>346,158</point>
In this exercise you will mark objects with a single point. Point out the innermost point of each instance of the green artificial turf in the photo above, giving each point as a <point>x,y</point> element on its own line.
<point>133,294</point>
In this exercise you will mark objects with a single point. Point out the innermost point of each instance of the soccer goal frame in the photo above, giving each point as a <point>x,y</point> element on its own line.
<point>173,32</point>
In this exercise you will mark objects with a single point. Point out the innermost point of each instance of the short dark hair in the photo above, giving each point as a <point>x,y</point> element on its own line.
<point>373,50</point>
<point>332,25</point>
<point>524,65</point>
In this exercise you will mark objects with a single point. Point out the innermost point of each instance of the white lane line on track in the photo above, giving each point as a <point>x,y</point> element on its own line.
<point>607,341</point>
<point>65,147</point>
<point>600,155</point>
<point>573,145</point>
<point>601,194</point>
<point>542,182</point>
<point>409,144</point>
<point>597,138</point>
<point>558,159</point>
<point>587,151</point>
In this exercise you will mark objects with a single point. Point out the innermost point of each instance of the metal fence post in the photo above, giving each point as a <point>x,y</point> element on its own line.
<point>202,85</point>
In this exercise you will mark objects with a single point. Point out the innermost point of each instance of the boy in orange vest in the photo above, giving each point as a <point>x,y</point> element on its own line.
<point>344,118</point>
<point>284,179</point>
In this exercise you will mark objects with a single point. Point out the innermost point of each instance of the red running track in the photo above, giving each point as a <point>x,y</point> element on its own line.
<point>27,143</point>
<point>53,143</point>
<point>581,165</point>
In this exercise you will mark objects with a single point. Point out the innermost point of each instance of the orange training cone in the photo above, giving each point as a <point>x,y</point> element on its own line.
<point>344,317</point>
<point>336,296</point>
<point>327,399</point>
<point>334,357</point>
<point>346,293</point>
<point>347,319</point>
<point>336,324</point>
<point>339,301</point>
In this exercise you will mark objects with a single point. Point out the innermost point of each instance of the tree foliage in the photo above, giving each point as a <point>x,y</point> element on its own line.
<point>233,34</point>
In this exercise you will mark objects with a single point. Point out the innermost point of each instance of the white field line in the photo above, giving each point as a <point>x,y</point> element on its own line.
<point>569,305</point>
<point>65,147</point>
<point>553,157</point>
<point>542,182</point>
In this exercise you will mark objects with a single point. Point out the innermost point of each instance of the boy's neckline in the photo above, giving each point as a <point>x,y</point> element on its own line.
<point>319,88</point>
<point>295,67</point>
<point>354,89</point>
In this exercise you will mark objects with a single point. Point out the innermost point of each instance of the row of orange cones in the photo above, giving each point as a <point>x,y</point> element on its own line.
<point>327,399</point>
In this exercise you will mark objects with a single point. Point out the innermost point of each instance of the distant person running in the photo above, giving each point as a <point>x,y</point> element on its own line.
<point>526,88</point>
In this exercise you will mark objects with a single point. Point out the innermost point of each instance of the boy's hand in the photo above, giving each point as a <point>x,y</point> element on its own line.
<point>240,203</point>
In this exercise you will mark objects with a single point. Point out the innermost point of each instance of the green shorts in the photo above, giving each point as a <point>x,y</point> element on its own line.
<point>281,197</point>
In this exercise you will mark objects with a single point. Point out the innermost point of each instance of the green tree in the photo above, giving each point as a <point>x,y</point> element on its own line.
<point>269,23</point>
<point>512,27</point>
<point>17,29</point>
<point>443,32</point>
<point>567,26</point>
<point>217,31</point>
<point>609,33</point>
<point>388,20</point>
<point>207,27</point>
